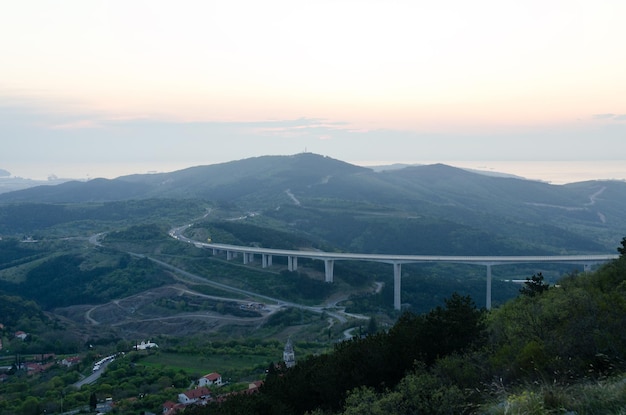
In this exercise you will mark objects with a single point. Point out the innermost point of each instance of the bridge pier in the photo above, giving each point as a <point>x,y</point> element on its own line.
<point>248,257</point>
<point>266,260</point>
<point>397,280</point>
<point>230,255</point>
<point>292,263</point>
<point>329,265</point>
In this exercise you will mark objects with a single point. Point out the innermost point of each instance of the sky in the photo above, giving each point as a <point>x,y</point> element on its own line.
<point>103,88</point>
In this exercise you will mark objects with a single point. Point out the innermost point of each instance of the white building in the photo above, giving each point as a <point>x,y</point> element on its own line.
<point>210,379</point>
<point>143,345</point>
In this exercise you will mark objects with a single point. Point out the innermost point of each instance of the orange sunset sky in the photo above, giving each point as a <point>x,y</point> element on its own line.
<point>173,84</point>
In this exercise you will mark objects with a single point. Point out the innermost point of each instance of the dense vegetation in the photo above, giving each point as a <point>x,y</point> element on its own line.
<point>14,309</point>
<point>395,232</point>
<point>445,362</point>
<point>39,219</point>
<point>244,233</point>
<point>345,206</point>
<point>69,279</point>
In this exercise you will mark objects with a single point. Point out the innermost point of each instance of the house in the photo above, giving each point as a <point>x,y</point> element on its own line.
<point>199,395</point>
<point>143,345</point>
<point>254,386</point>
<point>36,367</point>
<point>70,361</point>
<point>21,335</point>
<point>210,379</point>
<point>171,408</point>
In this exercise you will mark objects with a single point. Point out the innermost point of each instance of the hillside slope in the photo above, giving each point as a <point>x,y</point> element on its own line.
<point>416,209</point>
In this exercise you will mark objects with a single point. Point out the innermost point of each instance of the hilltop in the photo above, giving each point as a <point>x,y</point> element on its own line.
<point>354,208</point>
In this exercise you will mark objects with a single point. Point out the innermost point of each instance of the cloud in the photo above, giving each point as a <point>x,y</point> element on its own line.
<point>76,125</point>
<point>610,116</point>
<point>300,128</point>
<point>56,140</point>
<point>603,116</point>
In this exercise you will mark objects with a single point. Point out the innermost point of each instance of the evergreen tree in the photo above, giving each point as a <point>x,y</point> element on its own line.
<point>372,326</point>
<point>93,401</point>
<point>534,286</point>
<point>622,249</point>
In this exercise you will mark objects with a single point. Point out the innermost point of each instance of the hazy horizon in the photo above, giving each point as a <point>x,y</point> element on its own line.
<point>554,172</point>
<point>160,84</point>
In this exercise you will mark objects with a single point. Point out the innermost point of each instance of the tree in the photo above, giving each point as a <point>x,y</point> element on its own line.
<point>417,393</point>
<point>372,326</point>
<point>93,401</point>
<point>30,406</point>
<point>622,249</point>
<point>452,328</point>
<point>534,286</point>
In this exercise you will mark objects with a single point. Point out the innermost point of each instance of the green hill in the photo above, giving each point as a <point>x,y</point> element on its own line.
<point>435,209</point>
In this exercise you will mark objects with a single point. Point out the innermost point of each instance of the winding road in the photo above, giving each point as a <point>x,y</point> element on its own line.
<point>183,276</point>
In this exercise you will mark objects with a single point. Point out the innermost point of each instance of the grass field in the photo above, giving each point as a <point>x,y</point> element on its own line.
<point>233,367</point>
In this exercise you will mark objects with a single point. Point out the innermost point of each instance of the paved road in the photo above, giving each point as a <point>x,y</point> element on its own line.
<point>177,233</point>
<point>316,309</point>
<point>95,375</point>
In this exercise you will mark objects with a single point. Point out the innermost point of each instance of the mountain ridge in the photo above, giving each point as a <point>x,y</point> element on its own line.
<point>318,195</point>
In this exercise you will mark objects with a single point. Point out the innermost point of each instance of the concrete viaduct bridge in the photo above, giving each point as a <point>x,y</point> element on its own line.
<point>396,261</point>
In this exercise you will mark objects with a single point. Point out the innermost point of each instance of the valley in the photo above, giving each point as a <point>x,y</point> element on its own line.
<point>91,268</point>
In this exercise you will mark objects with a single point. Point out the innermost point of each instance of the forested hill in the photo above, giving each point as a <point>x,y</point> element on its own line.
<point>356,208</point>
<point>234,181</point>
<point>264,180</point>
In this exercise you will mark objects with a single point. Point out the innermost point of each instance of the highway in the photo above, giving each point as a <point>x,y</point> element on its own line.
<point>395,260</point>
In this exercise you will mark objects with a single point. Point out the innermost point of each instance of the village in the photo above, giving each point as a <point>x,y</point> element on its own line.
<point>202,391</point>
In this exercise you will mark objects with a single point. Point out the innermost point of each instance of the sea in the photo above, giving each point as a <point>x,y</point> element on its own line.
<point>553,172</point>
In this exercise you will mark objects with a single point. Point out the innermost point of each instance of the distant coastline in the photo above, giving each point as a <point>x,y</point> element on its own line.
<point>554,172</point>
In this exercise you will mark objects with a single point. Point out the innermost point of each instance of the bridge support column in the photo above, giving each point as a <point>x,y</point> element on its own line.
<point>230,255</point>
<point>397,281</point>
<point>488,296</point>
<point>248,257</point>
<point>292,263</point>
<point>266,260</point>
<point>329,264</point>
<point>214,252</point>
